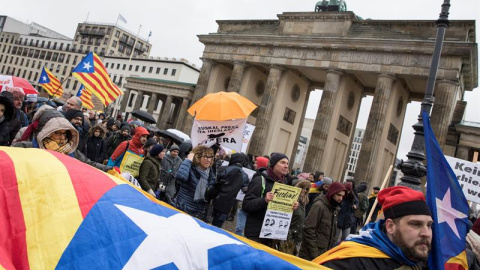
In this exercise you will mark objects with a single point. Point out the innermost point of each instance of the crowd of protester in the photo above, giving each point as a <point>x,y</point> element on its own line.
<point>205,183</point>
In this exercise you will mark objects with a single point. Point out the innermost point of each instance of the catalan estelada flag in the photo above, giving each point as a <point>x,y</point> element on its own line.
<point>449,207</point>
<point>92,73</point>
<point>59,213</point>
<point>50,83</point>
<point>86,97</point>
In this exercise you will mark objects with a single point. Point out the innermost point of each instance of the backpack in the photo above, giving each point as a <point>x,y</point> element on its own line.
<point>363,202</point>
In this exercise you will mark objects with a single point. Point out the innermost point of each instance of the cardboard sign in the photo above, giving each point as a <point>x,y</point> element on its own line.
<point>279,212</point>
<point>226,133</point>
<point>247,135</point>
<point>468,176</point>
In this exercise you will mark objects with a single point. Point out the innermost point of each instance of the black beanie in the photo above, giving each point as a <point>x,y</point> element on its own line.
<point>156,149</point>
<point>70,114</point>
<point>275,158</point>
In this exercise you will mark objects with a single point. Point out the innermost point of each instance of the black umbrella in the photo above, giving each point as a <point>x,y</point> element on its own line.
<point>144,116</point>
<point>169,135</point>
<point>152,128</point>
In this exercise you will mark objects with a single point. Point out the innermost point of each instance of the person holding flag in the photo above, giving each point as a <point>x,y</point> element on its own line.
<point>402,239</point>
<point>86,97</point>
<point>50,83</point>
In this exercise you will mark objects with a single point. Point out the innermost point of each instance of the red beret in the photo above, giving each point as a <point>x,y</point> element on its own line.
<point>401,201</point>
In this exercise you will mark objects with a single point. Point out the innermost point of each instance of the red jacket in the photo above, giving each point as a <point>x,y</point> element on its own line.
<point>135,145</point>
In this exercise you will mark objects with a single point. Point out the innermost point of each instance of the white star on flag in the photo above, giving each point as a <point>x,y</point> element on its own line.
<point>86,65</point>
<point>446,213</point>
<point>179,238</point>
<point>44,78</point>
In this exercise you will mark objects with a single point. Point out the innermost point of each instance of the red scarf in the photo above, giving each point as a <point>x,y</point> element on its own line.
<point>272,174</point>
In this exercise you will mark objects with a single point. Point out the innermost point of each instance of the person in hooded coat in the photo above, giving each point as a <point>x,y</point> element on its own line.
<point>56,133</point>
<point>150,170</point>
<point>131,152</point>
<point>96,146</point>
<point>346,215</point>
<point>7,111</point>
<point>170,165</point>
<point>230,179</point>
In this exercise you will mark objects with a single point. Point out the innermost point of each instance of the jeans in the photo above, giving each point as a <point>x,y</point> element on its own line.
<point>218,218</point>
<point>241,219</point>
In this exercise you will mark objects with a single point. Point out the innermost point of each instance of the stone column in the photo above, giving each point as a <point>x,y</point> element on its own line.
<point>318,140</point>
<point>138,100</point>
<point>126,96</point>
<point>165,113</point>
<point>181,114</point>
<point>264,115</point>
<point>200,90</point>
<point>367,159</point>
<point>299,129</point>
<point>236,78</point>
<point>446,93</point>
<point>151,103</point>
<point>462,152</point>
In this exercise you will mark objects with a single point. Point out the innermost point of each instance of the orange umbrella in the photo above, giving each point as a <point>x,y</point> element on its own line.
<point>222,106</point>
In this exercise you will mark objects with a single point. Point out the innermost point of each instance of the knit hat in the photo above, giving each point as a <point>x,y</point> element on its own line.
<point>376,188</point>
<point>401,201</point>
<point>348,186</point>
<point>262,162</point>
<point>150,142</point>
<point>476,227</point>
<point>174,148</point>
<point>327,181</point>
<point>275,158</point>
<point>334,189</point>
<point>156,149</point>
<point>125,127</point>
<point>70,114</point>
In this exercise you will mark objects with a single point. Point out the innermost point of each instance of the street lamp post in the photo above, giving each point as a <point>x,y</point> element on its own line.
<point>413,169</point>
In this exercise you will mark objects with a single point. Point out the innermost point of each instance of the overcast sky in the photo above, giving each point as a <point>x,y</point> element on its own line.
<point>176,24</point>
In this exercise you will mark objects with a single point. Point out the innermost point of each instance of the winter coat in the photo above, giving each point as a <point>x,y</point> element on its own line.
<point>149,173</point>
<point>346,215</point>
<point>369,263</point>
<point>188,176</point>
<point>170,167</point>
<point>96,149</point>
<point>254,203</point>
<point>134,145</point>
<point>5,133</point>
<point>319,231</point>
<point>296,226</point>
<point>114,140</point>
<point>233,178</point>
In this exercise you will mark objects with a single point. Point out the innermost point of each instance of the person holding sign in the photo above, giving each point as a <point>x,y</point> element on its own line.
<point>129,154</point>
<point>259,194</point>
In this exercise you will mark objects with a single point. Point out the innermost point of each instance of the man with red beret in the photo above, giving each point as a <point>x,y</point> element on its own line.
<point>401,240</point>
<point>319,230</point>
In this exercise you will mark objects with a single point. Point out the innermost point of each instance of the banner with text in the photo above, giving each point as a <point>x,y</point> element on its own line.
<point>247,135</point>
<point>279,212</point>
<point>226,133</point>
<point>468,175</point>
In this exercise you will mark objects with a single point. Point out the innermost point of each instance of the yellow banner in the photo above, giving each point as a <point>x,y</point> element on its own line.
<point>284,196</point>
<point>131,163</point>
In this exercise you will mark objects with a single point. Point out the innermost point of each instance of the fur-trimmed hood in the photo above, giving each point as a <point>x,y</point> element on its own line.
<point>99,127</point>
<point>51,121</point>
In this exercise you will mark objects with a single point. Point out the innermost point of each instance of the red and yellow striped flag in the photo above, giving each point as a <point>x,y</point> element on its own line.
<point>50,83</point>
<point>93,74</point>
<point>86,97</point>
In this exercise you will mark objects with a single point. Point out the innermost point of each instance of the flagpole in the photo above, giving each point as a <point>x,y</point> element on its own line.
<point>413,169</point>
<point>58,88</point>
<point>128,63</point>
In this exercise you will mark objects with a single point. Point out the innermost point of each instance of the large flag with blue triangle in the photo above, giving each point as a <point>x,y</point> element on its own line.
<point>50,83</point>
<point>59,213</point>
<point>92,73</point>
<point>449,207</point>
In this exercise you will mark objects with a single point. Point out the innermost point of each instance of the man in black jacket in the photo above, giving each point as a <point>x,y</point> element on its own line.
<point>230,180</point>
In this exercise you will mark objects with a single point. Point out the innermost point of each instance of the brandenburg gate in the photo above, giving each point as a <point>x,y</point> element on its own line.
<point>277,63</point>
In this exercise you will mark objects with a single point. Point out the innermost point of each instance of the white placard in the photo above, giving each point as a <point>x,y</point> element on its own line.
<point>226,133</point>
<point>468,176</point>
<point>247,135</point>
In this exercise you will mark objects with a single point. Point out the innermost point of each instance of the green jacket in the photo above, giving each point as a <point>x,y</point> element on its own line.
<point>149,173</point>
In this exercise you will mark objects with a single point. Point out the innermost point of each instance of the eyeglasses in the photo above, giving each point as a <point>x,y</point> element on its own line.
<point>60,133</point>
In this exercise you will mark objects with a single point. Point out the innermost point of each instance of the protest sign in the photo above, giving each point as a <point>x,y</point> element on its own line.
<point>247,135</point>
<point>279,212</point>
<point>468,176</point>
<point>226,133</point>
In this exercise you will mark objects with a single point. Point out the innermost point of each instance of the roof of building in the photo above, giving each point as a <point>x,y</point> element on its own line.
<point>162,81</point>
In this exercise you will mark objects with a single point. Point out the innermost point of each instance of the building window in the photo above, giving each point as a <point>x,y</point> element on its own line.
<point>117,33</point>
<point>124,66</point>
<point>75,84</point>
<point>118,66</point>
<point>150,70</point>
<point>120,80</point>
<point>144,68</point>
<point>158,70</point>
<point>165,71</point>
<point>130,67</point>
<point>114,44</point>
<point>136,68</point>
<point>114,78</point>
<point>173,72</point>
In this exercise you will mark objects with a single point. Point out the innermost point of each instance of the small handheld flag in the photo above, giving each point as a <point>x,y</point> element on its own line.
<point>50,83</point>
<point>448,205</point>
<point>93,74</point>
